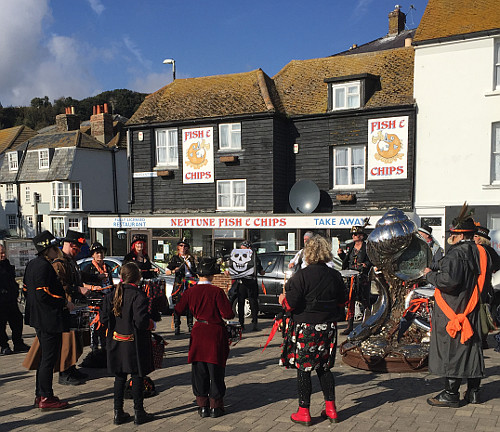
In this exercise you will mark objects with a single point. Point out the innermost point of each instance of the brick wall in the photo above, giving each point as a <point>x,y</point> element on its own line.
<point>222,281</point>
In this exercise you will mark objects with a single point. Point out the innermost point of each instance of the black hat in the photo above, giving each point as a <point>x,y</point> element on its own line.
<point>96,246</point>
<point>426,229</point>
<point>139,237</point>
<point>357,229</point>
<point>463,223</point>
<point>208,267</point>
<point>247,244</point>
<point>183,241</point>
<point>74,237</point>
<point>44,240</point>
<point>483,232</point>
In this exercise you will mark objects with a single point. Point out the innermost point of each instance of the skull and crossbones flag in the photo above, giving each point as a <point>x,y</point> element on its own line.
<point>242,263</point>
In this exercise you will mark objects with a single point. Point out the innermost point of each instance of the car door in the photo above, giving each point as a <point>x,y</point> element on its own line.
<point>269,284</point>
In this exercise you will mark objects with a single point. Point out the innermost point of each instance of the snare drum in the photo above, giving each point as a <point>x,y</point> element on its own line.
<point>80,319</point>
<point>233,332</point>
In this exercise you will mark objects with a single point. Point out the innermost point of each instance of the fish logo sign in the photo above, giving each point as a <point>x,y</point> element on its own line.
<point>388,146</point>
<point>197,154</point>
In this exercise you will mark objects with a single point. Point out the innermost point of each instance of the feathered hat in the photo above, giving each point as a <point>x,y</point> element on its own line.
<point>360,229</point>
<point>463,223</point>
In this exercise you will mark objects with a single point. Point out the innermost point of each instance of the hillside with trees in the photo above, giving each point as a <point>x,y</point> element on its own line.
<point>42,112</point>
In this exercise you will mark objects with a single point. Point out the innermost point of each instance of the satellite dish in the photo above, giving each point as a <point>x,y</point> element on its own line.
<point>304,196</point>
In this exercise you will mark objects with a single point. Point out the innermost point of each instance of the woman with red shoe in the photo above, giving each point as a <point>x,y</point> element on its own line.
<point>315,297</point>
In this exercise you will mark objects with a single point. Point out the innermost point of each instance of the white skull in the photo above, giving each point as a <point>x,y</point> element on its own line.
<point>240,259</point>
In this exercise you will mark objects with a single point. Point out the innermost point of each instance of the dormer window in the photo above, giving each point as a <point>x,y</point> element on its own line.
<point>351,92</point>
<point>43,159</point>
<point>13,161</point>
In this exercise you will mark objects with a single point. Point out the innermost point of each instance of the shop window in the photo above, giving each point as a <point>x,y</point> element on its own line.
<point>230,136</point>
<point>349,167</point>
<point>231,194</point>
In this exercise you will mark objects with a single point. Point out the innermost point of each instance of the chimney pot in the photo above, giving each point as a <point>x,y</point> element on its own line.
<point>397,21</point>
<point>408,42</point>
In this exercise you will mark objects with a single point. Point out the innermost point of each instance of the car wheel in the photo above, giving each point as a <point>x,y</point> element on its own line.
<point>247,308</point>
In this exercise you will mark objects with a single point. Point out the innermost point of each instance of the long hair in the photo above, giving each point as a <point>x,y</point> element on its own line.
<point>144,251</point>
<point>129,273</point>
<point>317,250</point>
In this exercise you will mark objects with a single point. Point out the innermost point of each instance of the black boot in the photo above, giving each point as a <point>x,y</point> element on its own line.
<point>450,396</point>
<point>120,417</point>
<point>472,393</point>
<point>348,330</point>
<point>141,416</point>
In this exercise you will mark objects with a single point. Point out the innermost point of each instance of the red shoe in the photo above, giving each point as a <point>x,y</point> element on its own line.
<point>302,416</point>
<point>330,412</point>
<point>52,403</point>
<point>37,401</point>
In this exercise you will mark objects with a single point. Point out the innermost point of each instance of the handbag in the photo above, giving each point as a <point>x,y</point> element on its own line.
<point>487,323</point>
<point>158,345</point>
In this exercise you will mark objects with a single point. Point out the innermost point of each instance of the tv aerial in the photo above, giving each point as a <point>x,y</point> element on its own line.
<point>304,196</point>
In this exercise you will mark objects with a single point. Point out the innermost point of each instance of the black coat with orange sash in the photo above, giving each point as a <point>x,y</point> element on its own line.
<point>456,279</point>
<point>128,340</point>
<point>45,297</point>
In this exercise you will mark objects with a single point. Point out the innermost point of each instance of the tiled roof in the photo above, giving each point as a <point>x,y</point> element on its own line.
<point>446,18</point>
<point>206,97</point>
<point>12,137</point>
<point>389,41</point>
<point>63,139</point>
<point>302,89</point>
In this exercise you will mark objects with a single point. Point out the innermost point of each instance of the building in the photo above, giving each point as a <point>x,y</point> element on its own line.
<point>457,90</point>
<point>214,158</point>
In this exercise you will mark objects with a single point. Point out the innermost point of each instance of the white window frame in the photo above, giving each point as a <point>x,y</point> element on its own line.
<point>168,141</point>
<point>43,159</point>
<point>64,197</point>
<point>29,222</point>
<point>346,87</point>
<point>61,224</point>
<point>349,165</point>
<point>9,192</point>
<point>12,221</point>
<point>74,223</point>
<point>495,153</point>
<point>27,195</point>
<point>232,195</point>
<point>13,161</point>
<point>230,136</point>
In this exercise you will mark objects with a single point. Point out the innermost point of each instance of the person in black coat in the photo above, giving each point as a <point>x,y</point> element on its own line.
<point>315,296</point>
<point>139,256</point>
<point>47,311</point>
<point>9,311</point>
<point>357,259</point>
<point>129,351</point>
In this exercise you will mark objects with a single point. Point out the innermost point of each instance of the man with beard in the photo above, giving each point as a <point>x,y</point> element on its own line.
<point>456,349</point>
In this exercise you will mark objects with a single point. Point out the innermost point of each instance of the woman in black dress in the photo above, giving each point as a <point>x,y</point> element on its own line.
<point>315,296</point>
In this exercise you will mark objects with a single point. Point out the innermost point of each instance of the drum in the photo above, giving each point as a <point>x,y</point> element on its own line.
<point>349,273</point>
<point>423,314</point>
<point>79,319</point>
<point>233,332</point>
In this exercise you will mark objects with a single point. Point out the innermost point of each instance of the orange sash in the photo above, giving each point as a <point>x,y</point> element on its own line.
<point>460,322</point>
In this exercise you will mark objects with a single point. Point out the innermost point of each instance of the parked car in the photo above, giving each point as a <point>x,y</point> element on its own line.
<point>115,263</point>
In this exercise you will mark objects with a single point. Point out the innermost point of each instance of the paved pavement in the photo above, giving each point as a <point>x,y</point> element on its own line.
<point>260,396</point>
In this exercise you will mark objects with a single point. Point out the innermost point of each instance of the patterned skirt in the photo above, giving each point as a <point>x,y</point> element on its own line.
<point>309,346</point>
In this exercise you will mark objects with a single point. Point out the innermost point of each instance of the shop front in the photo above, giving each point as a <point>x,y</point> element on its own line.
<point>215,235</point>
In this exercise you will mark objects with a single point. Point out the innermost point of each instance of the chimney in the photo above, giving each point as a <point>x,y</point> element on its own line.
<point>101,123</point>
<point>397,21</point>
<point>68,121</point>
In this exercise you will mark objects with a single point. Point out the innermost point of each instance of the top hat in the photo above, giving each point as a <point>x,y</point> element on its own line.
<point>426,229</point>
<point>482,232</point>
<point>96,246</point>
<point>357,229</point>
<point>139,237</point>
<point>207,267</point>
<point>44,240</point>
<point>183,241</point>
<point>74,237</point>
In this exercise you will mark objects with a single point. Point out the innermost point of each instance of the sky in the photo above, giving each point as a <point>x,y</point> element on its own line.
<point>80,48</point>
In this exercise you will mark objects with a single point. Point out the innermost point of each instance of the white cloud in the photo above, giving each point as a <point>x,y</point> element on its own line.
<point>33,64</point>
<point>362,6</point>
<point>97,6</point>
<point>132,47</point>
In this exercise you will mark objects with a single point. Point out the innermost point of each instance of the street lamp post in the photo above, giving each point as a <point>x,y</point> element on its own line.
<point>172,62</point>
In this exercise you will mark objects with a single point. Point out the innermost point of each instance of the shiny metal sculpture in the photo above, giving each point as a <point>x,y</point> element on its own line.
<point>400,255</point>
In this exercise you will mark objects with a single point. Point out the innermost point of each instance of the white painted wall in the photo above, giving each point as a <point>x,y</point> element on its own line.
<point>456,108</point>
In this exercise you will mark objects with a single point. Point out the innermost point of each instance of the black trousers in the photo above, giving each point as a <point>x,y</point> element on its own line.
<point>50,346</point>
<point>304,386</point>
<point>208,380</point>
<point>137,391</point>
<point>247,289</point>
<point>189,317</point>
<point>10,313</point>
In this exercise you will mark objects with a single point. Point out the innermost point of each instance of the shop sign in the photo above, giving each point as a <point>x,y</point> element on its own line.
<point>220,222</point>
<point>388,148</point>
<point>198,155</point>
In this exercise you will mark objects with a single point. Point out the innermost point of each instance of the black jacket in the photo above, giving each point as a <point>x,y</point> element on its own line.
<point>145,266</point>
<point>356,263</point>
<point>9,288</point>
<point>45,297</point>
<point>317,294</point>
